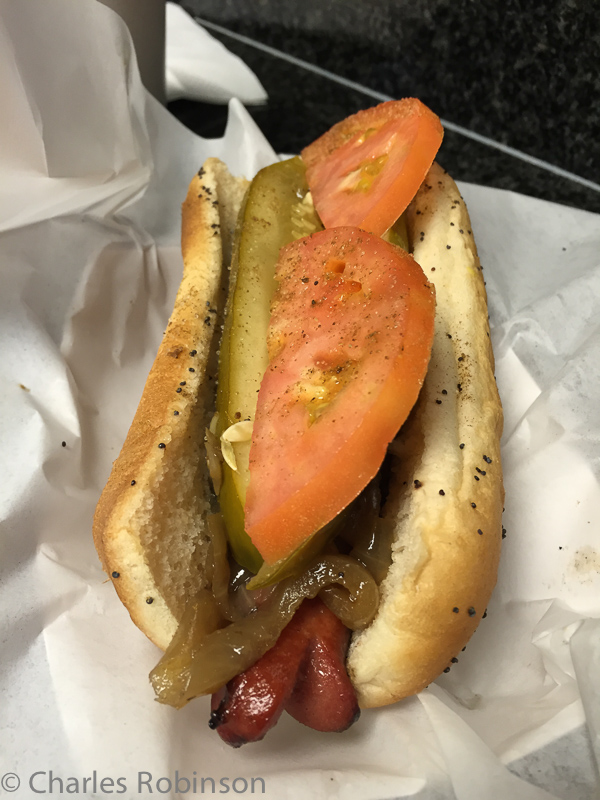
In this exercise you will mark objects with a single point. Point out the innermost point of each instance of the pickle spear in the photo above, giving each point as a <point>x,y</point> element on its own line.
<point>276,211</point>
<point>398,234</point>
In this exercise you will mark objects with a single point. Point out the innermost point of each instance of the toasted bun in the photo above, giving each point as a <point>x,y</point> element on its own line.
<point>149,526</point>
<point>446,489</point>
<point>446,493</point>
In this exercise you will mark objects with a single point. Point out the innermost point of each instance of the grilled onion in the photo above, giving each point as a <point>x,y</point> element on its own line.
<point>206,661</point>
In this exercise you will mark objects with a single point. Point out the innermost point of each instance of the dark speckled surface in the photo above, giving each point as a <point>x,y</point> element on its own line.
<point>523,74</point>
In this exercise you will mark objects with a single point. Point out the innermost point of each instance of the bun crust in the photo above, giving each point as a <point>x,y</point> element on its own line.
<point>446,492</point>
<point>149,525</point>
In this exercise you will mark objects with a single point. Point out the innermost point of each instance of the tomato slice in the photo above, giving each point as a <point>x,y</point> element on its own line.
<point>349,342</point>
<point>366,169</point>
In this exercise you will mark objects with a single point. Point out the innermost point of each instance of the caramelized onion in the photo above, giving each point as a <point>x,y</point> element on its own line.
<point>170,678</point>
<point>373,547</point>
<point>369,537</point>
<point>212,660</point>
<point>218,566</point>
<point>355,609</point>
<point>242,601</point>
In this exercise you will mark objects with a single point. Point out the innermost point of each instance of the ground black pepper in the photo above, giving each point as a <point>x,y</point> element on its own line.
<point>193,352</point>
<point>133,483</point>
<point>116,574</point>
<point>479,531</point>
<point>487,459</point>
<point>442,492</point>
<point>149,600</point>
<point>462,446</point>
<point>418,484</point>
<point>473,505</point>
<point>178,390</point>
<point>471,612</point>
<point>455,610</point>
<point>162,446</point>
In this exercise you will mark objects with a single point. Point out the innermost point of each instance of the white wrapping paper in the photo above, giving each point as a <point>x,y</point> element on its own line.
<point>199,67</point>
<point>93,172</point>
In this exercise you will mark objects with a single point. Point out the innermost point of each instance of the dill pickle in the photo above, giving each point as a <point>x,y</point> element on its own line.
<point>294,564</point>
<point>276,211</point>
<point>398,234</point>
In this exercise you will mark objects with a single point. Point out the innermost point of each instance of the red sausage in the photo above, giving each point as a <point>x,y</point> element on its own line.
<point>323,697</point>
<point>303,673</point>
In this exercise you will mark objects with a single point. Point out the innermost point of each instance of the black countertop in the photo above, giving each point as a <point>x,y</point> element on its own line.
<point>519,77</point>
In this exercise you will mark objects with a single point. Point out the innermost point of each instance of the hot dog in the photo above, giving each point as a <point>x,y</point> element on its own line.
<point>440,499</point>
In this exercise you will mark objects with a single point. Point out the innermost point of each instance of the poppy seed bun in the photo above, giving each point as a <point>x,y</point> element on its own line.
<point>149,525</point>
<point>446,487</point>
<point>446,491</point>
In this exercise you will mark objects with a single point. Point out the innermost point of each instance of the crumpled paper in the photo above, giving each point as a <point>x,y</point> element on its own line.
<point>199,67</point>
<point>93,174</point>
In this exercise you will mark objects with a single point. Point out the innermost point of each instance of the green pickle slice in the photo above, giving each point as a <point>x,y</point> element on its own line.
<point>299,560</point>
<point>398,234</point>
<point>276,212</point>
